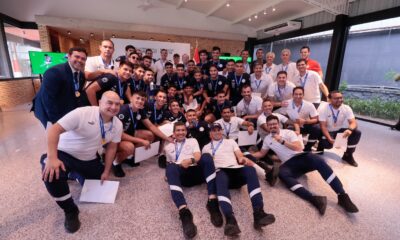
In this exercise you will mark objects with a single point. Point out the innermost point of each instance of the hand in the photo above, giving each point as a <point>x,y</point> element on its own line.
<point>146,144</point>
<point>250,130</point>
<point>301,121</point>
<point>208,99</point>
<point>331,141</point>
<point>52,167</point>
<point>186,163</point>
<point>105,176</point>
<point>277,138</point>
<point>170,139</point>
<point>284,104</point>
<point>347,133</point>
<point>243,161</point>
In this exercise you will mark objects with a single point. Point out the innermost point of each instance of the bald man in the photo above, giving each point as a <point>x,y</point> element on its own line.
<point>85,130</point>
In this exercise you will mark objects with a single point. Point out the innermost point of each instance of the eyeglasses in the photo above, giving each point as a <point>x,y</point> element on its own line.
<point>134,57</point>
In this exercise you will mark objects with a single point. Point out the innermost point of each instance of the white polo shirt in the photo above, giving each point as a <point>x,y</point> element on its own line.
<point>291,70</point>
<point>190,146</point>
<point>225,154</point>
<point>271,70</point>
<point>159,68</point>
<point>262,119</point>
<point>327,114</point>
<point>82,138</point>
<point>284,153</point>
<point>304,111</point>
<point>253,107</point>
<point>310,82</point>
<point>96,63</point>
<point>281,94</point>
<point>260,85</point>
<point>231,128</point>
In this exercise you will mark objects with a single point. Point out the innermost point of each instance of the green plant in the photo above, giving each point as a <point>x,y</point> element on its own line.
<point>343,86</point>
<point>375,108</point>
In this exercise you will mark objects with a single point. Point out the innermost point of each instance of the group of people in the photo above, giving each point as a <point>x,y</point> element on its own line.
<point>97,111</point>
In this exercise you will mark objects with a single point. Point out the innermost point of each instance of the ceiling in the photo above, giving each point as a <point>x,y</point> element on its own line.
<point>241,17</point>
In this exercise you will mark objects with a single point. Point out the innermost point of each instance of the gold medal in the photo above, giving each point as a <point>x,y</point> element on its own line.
<point>121,101</point>
<point>103,141</point>
<point>77,94</point>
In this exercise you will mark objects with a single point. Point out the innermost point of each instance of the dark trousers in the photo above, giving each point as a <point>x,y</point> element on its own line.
<point>302,164</point>
<point>178,176</point>
<point>314,132</point>
<point>235,178</point>
<point>352,140</point>
<point>59,189</point>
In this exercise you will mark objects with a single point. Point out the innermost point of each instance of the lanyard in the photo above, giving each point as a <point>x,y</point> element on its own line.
<point>221,108</point>
<point>285,68</point>
<point>294,106</point>
<point>76,81</point>
<point>214,150</point>
<point>178,150</point>
<point>155,113</point>
<point>134,122</point>
<point>121,90</point>
<point>106,66</point>
<point>281,94</point>
<point>180,82</point>
<point>268,69</point>
<point>257,81</point>
<point>335,117</point>
<point>240,80</point>
<point>215,85</point>
<point>227,130</point>
<point>102,130</point>
<point>303,83</point>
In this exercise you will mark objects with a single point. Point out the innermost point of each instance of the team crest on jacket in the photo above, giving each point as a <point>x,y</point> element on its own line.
<point>121,116</point>
<point>104,79</point>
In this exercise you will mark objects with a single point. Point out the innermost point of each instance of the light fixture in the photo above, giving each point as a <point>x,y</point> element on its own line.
<point>186,0</point>
<point>249,19</point>
<point>92,34</point>
<point>227,4</point>
<point>113,36</point>
<point>273,9</point>
<point>265,12</point>
<point>81,40</point>
<point>69,32</point>
<point>255,16</point>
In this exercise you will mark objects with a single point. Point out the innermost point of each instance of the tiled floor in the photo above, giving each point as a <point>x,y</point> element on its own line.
<point>144,209</point>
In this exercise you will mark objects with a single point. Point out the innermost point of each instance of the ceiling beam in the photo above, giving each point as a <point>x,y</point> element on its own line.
<point>333,7</point>
<point>180,3</point>
<point>219,5</point>
<point>293,17</point>
<point>257,9</point>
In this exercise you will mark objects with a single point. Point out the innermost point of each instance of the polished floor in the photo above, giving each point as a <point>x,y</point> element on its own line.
<point>144,209</point>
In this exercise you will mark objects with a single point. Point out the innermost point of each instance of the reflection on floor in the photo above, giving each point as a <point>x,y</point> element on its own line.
<point>144,209</point>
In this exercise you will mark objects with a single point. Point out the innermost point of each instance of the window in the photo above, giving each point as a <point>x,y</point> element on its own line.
<point>20,42</point>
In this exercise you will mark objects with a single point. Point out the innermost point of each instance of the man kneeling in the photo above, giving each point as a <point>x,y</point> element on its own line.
<point>186,167</point>
<point>231,173</point>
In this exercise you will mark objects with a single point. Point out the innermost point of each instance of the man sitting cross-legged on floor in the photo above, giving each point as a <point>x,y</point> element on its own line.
<point>296,163</point>
<point>187,167</point>
<point>231,173</point>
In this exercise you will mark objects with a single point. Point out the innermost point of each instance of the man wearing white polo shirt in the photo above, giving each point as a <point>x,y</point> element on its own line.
<point>72,145</point>
<point>281,90</point>
<point>287,65</point>
<point>311,82</point>
<point>270,67</point>
<point>262,119</point>
<point>260,81</point>
<point>231,124</point>
<point>159,66</point>
<point>98,65</point>
<point>335,118</point>
<point>249,108</point>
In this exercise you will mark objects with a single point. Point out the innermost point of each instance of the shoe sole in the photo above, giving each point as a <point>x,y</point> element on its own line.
<point>191,236</point>
<point>235,233</point>
<point>268,221</point>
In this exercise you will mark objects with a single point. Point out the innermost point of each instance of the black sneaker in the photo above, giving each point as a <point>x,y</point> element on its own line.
<point>162,161</point>
<point>131,162</point>
<point>262,219</point>
<point>348,157</point>
<point>319,203</point>
<point>345,202</point>
<point>189,229</point>
<point>231,227</point>
<point>272,176</point>
<point>117,170</point>
<point>215,213</point>
<point>72,223</point>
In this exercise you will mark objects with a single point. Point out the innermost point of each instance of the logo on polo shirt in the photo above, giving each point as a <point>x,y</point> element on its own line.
<point>104,79</point>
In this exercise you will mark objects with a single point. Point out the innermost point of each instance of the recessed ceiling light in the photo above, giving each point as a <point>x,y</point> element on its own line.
<point>273,9</point>
<point>255,16</point>
<point>91,34</point>
<point>249,19</point>
<point>113,36</point>
<point>69,32</point>
<point>265,12</point>
<point>227,4</point>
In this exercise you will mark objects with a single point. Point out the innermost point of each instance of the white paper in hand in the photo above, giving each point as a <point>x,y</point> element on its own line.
<point>93,191</point>
<point>167,129</point>
<point>340,141</point>
<point>245,139</point>
<point>143,154</point>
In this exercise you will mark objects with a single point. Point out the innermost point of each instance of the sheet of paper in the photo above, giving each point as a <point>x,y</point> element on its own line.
<point>293,114</point>
<point>256,94</point>
<point>340,141</point>
<point>143,154</point>
<point>93,191</point>
<point>167,129</point>
<point>245,139</point>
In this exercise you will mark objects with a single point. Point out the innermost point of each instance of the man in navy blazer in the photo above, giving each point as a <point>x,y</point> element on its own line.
<point>62,88</point>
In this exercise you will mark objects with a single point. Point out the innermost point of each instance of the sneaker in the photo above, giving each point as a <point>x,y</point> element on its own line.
<point>162,161</point>
<point>262,219</point>
<point>215,213</point>
<point>345,202</point>
<point>231,227</point>
<point>72,223</point>
<point>348,157</point>
<point>189,229</point>
<point>131,162</point>
<point>320,150</point>
<point>319,203</point>
<point>117,170</point>
<point>272,176</point>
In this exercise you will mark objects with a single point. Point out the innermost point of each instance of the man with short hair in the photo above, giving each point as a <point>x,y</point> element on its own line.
<point>166,79</point>
<point>312,64</point>
<point>259,59</point>
<point>249,108</point>
<point>232,172</point>
<point>149,52</point>
<point>62,88</point>
<point>187,167</point>
<point>232,124</point>
<point>72,145</point>
<point>230,68</point>
<point>136,82</point>
<point>197,129</point>
<point>128,50</point>
<point>203,64</point>
<point>236,81</point>
<point>176,59</point>
<point>147,61</point>
<point>246,66</point>
<point>133,58</point>
<point>270,67</point>
<point>288,66</point>
<point>159,66</point>
<point>281,90</point>
<point>219,63</point>
<point>174,112</point>
<point>335,118</point>
<point>156,110</point>
<point>214,84</point>
<point>102,64</point>
<point>296,163</point>
<point>262,119</point>
<point>214,108</point>
<point>260,81</point>
<point>311,82</point>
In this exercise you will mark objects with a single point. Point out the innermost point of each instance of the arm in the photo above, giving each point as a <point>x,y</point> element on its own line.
<point>51,85</point>
<point>53,164</point>
<point>187,162</point>
<point>92,75</point>
<point>261,153</point>
<point>135,140</point>
<point>128,93</point>
<point>91,93</point>
<point>111,150</point>
<point>249,125</point>
<point>324,90</point>
<point>352,126</point>
<point>240,157</point>
<point>295,145</point>
<point>149,125</point>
